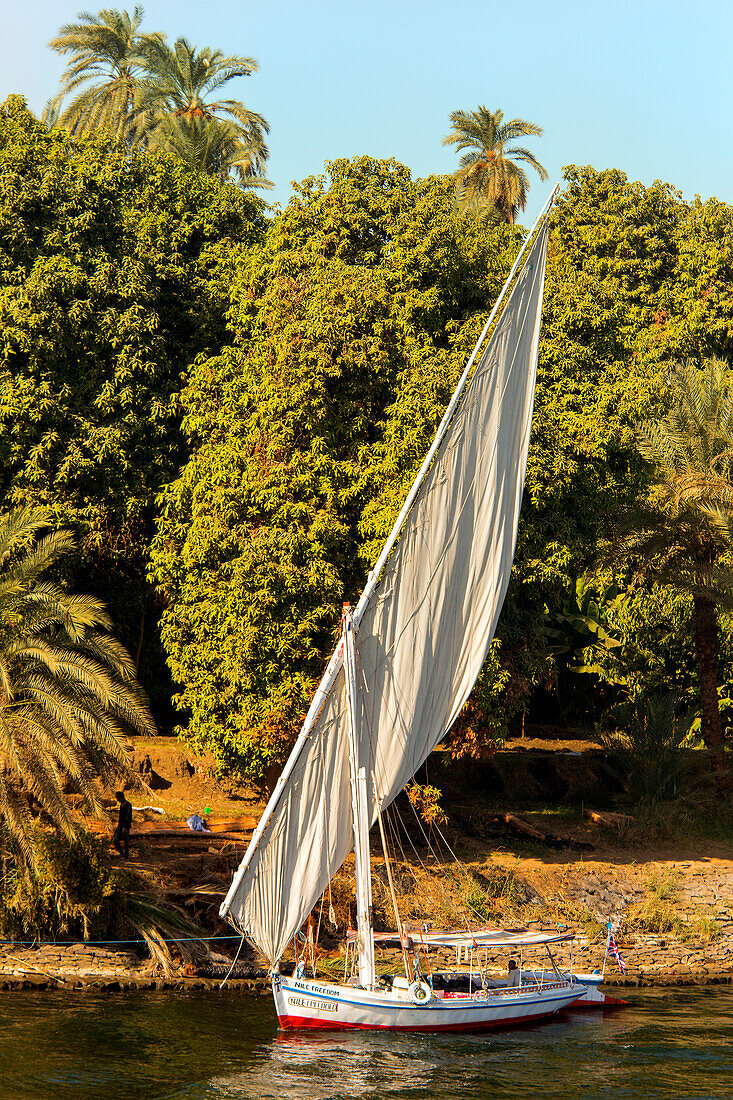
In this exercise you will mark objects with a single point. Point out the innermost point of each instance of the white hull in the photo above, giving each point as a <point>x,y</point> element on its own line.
<point>595,997</point>
<point>301,1003</point>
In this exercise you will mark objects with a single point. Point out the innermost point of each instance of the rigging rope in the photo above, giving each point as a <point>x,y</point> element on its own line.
<point>101,943</point>
<point>234,963</point>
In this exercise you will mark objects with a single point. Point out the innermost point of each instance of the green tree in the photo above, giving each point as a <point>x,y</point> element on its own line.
<point>680,536</point>
<point>581,624</point>
<point>692,320</point>
<point>349,330</point>
<point>177,114</point>
<point>68,688</point>
<point>649,732</point>
<point>112,272</point>
<point>611,257</point>
<point>490,177</point>
<point>622,300</point>
<point>107,60</point>
<point>657,652</point>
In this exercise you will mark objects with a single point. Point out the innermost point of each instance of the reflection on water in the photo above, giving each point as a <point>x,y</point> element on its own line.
<point>217,1046</point>
<point>342,1064</point>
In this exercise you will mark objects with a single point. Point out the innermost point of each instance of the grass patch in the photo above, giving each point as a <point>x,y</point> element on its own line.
<point>576,918</point>
<point>441,895</point>
<point>700,817</point>
<point>660,911</point>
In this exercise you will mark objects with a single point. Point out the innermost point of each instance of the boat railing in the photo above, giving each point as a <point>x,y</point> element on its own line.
<point>540,986</point>
<point>532,982</point>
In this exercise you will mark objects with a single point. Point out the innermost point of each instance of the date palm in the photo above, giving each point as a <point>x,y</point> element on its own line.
<point>212,145</point>
<point>107,55</point>
<point>177,112</point>
<point>68,689</point>
<point>490,177</point>
<point>682,535</point>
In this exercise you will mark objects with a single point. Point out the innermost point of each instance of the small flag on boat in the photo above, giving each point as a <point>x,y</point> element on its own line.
<point>613,949</point>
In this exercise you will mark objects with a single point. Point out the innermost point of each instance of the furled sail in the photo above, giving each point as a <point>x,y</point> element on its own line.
<point>422,636</point>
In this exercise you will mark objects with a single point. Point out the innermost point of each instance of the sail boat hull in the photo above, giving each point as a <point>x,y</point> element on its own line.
<point>306,1004</point>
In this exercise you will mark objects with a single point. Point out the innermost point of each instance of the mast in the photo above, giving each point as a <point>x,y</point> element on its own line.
<point>360,812</point>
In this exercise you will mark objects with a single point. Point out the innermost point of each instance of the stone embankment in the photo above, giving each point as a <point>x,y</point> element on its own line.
<point>652,959</point>
<point>673,923</point>
<point>672,920</point>
<point>86,966</point>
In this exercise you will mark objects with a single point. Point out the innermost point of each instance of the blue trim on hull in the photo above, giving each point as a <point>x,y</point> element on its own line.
<point>431,1006</point>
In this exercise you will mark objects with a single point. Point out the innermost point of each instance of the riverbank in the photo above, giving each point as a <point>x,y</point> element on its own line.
<point>670,901</point>
<point>673,922</point>
<point>40,969</point>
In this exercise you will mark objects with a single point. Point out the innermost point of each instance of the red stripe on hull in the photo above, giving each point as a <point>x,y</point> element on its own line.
<point>310,1022</point>
<point>608,1002</point>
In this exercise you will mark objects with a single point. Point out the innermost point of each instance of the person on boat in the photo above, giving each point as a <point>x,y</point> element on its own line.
<point>121,836</point>
<point>515,975</point>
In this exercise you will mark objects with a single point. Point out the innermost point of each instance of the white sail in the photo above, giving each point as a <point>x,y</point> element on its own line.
<point>422,637</point>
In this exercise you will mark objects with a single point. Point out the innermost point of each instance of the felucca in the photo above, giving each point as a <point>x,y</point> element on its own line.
<point>407,659</point>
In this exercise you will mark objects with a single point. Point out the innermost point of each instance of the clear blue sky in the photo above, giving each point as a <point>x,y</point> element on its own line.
<point>639,85</point>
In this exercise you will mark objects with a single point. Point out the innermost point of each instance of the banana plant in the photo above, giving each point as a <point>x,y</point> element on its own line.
<point>581,623</point>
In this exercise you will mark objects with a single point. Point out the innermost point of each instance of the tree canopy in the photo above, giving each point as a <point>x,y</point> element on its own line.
<point>176,112</point>
<point>108,291</point>
<point>135,89</point>
<point>349,328</point>
<point>256,391</point>
<point>107,58</point>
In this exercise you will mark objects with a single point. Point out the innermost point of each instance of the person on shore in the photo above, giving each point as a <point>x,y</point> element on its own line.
<point>121,837</point>
<point>515,975</point>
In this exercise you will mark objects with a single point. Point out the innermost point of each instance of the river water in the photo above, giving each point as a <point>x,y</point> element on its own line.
<point>220,1045</point>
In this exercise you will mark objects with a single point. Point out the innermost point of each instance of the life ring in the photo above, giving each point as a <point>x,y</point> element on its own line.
<point>420,992</point>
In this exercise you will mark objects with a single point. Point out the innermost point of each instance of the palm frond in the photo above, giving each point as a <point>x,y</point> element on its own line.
<point>19,528</point>
<point>682,534</point>
<point>175,113</point>
<point>161,925</point>
<point>106,57</point>
<point>68,690</point>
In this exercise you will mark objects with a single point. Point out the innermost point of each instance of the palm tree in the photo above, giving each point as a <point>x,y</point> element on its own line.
<point>212,145</point>
<point>176,115</point>
<point>645,743</point>
<point>107,60</point>
<point>683,533</point>
<point>489,178</point>
<point>68,691</point>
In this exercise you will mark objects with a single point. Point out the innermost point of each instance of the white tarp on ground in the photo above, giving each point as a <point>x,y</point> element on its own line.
<point>424,634</point>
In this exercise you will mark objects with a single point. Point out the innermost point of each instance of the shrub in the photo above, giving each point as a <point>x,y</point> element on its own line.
<point>660,913</point>
<point>425,799</point>
<point>71,894</point>
<point>647,748</point>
